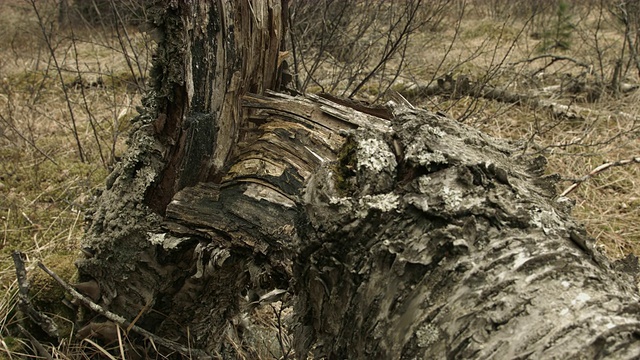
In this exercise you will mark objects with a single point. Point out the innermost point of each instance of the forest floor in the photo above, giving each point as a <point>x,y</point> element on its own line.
<point>66,106</point>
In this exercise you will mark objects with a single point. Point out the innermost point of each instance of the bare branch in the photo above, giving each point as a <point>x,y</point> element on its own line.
<point>124,322</point>
<point>596,171</point>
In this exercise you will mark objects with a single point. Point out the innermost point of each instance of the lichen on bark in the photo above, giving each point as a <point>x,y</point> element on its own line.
<point>472,261</point>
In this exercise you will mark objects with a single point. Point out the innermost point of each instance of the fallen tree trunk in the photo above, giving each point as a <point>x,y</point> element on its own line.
<point>465,257</point>
<point>463,86</point>
<point>398,234</point>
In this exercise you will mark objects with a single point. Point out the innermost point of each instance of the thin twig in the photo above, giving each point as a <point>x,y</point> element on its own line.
<point>127,57</point>
<point>47,40</point>
<point>553,58</point>
<point>42,320</point>
<point>404,34</point>
<point>286,350</point>
<point>596,171</point>
<point>33,144</point>
<point>92,118</point>
<point>200,354</point>
<point>41,350</point>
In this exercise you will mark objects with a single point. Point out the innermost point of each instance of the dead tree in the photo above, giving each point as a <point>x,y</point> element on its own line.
<point>398,233</point>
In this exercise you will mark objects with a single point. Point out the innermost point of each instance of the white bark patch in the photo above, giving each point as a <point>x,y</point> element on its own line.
<point>420,202</point>
<point>258,167</point>
<point>452,198</point>
<point>433,130</point>
<point>375,155</point>
<point>580,300</point>
<point>382,202</point>
<point>417,153</point>
<point>546,220</point>
<point>519,260</point>
<point>156,239</point>
<point>314,154</point>
<point>461,244</point>
<point>426,335</point>
<point>167,241</point>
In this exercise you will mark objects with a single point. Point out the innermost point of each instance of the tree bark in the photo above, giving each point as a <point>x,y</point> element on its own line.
<point>210,54</point>
<point>398,233</point>
<point>461,254</point>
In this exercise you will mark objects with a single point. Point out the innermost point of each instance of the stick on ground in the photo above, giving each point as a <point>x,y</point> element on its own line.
<point>200,354</point>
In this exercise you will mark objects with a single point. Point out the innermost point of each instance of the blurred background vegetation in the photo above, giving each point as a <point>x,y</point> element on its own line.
<point>558,77</point>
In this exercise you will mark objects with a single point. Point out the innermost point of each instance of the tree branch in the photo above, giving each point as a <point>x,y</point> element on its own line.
<point>124,323</point>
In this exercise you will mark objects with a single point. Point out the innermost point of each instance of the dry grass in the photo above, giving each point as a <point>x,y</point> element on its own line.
<point>607,204</point>
<point>45,186</point>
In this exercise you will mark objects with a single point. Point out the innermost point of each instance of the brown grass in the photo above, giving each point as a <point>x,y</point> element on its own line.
<point>44,186</point>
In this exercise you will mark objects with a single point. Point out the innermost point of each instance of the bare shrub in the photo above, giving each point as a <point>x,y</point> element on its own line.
<point>345,47</point>
<point>101,13</point>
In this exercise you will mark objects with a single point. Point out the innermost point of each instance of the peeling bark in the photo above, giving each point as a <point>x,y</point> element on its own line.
<point>399,233</point>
